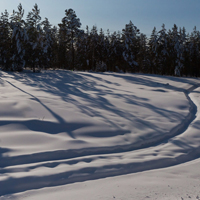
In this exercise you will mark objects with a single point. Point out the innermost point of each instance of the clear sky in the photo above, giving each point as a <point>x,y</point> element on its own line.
<point>114,14</point>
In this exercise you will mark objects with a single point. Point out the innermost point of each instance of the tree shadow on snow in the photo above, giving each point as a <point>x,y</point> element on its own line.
<point>70,86</point>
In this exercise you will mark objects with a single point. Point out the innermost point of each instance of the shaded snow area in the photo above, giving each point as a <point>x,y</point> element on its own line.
<point>90,136</point>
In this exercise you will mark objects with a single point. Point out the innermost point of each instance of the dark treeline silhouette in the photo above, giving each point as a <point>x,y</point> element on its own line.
<point>34,43</point>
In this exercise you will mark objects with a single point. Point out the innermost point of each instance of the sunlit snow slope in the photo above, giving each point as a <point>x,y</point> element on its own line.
<point>60,127</point>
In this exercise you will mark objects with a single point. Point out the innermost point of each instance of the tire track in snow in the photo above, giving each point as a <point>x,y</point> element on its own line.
<point>119,161</point>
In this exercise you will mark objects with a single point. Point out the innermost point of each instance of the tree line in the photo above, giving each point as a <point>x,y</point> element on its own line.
<point>34,43</point>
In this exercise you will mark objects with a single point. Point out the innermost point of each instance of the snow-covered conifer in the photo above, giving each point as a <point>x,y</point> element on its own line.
<point>70,26</point>
<point>49,44</point>
<point>176,50</point>
<point>19,37</point>
<point>130,36</point>
<point>162,50</point>
<point>82,50</point>
<point>34,43</point>
<point>101,52</point>
<point>116,52</point>
<point>153,51</point>
<point>5,41</point>
<point>143,55</point>
<point>93,46</point>
<point>194,52</point>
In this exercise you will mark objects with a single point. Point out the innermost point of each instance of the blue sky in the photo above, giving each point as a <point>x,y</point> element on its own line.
<point>114,14</point>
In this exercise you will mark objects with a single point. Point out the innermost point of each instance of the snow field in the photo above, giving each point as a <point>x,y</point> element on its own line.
<point>61,127</point>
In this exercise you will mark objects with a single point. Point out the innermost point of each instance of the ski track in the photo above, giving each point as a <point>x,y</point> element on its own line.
<point>100,162</point>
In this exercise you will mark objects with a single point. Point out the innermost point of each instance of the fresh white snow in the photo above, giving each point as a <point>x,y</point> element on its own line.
<point>77,135</point>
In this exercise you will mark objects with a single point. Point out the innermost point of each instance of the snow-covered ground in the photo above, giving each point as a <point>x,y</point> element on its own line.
<point>76,135</point>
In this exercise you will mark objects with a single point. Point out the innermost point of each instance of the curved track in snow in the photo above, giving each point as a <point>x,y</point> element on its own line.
<point>51,168</point>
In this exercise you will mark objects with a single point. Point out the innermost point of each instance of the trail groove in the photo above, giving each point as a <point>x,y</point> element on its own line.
<point>46,168</point>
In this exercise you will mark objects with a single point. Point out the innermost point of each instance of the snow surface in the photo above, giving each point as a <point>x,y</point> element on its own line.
<point>77,135</point>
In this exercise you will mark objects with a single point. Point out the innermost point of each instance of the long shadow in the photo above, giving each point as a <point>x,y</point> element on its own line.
<point>61,121</point>
<point>147,80</point>
<point>67,85</point>
<point>2,151</point>
<point>70,84</point>
<point>47,126</point>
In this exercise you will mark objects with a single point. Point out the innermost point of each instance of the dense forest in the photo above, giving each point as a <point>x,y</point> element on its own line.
<point>36,44</point>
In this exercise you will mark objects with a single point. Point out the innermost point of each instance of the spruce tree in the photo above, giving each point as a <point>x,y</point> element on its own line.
<point>130,36</point>
<point>34,43</point>
<point>101,52</point>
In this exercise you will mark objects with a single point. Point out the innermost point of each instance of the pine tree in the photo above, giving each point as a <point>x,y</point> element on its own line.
<point>101,52</point>
<point>71,25</point>
<point>194,54</point>
<point>153,51</point>
<point>163,51</point>
<point>62,46</point>
<point>49,44</point>
<point>143,55</point>
<point>93,47</point>
<point>116,52</point>
<point>5,41</point>
<point>107,52</point>
<point>19,37</point>
<point>82,50</point>
<point>186,57</point>
<point>34,43</point>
